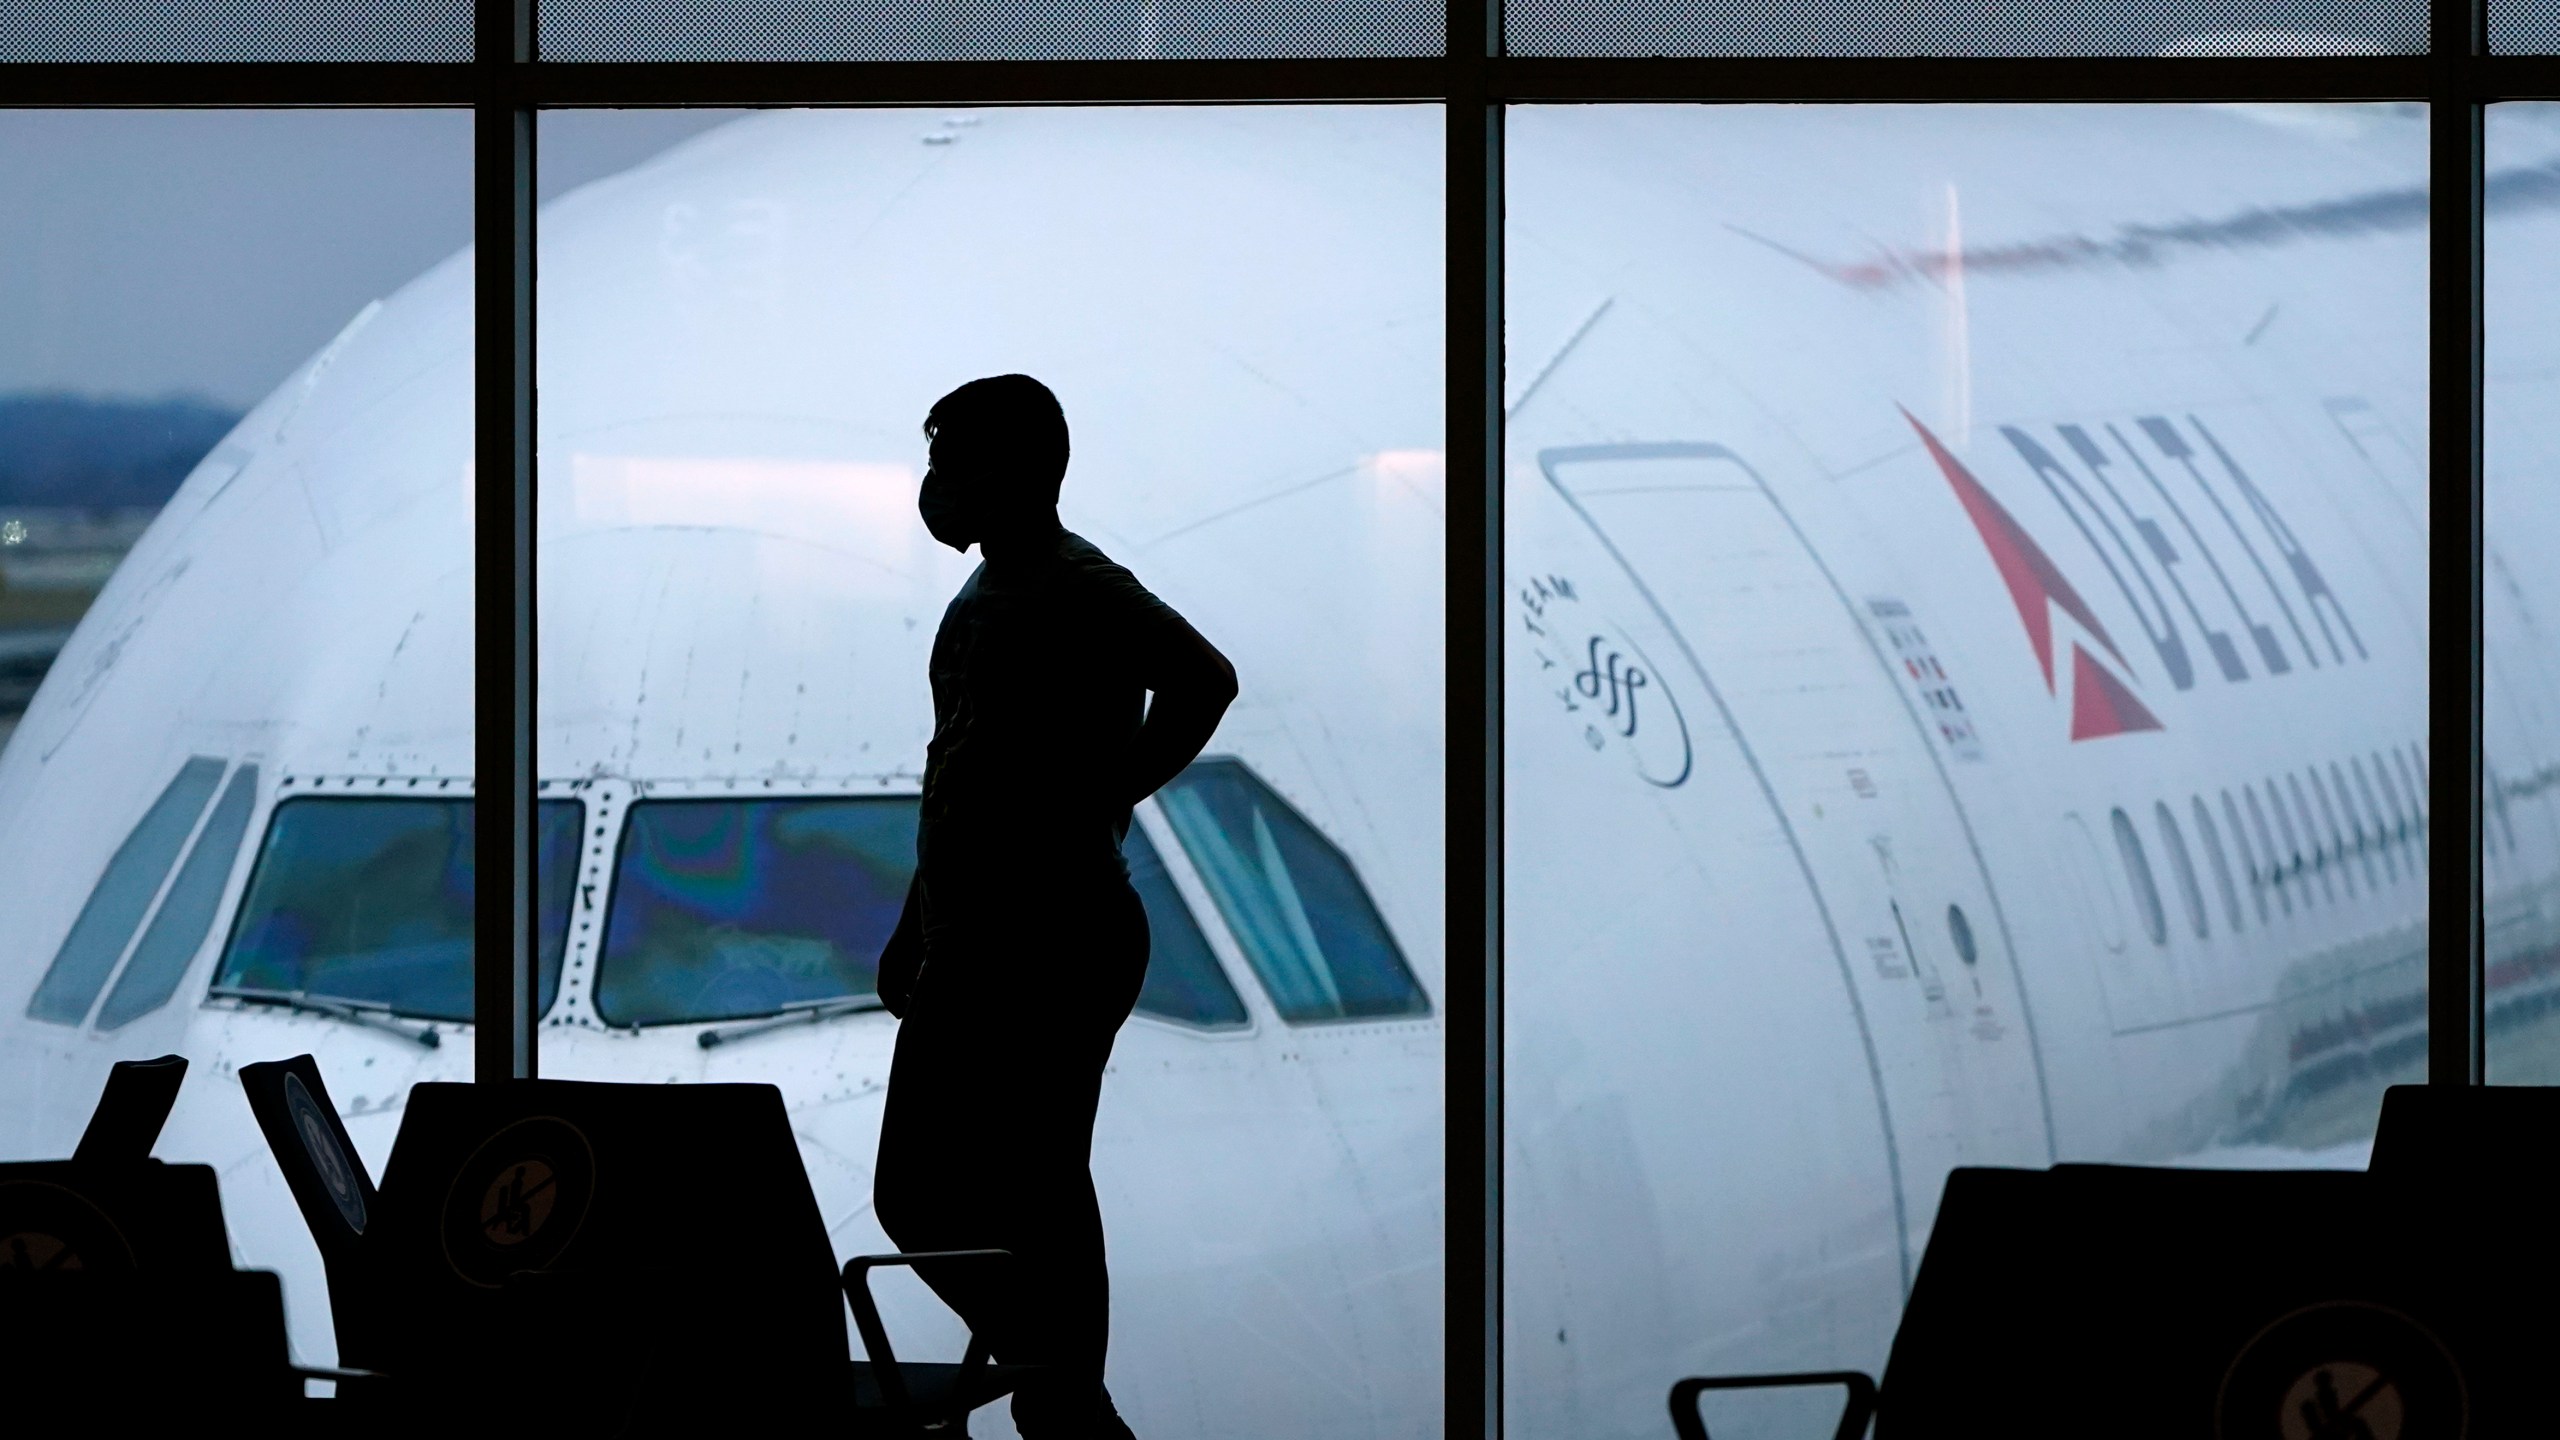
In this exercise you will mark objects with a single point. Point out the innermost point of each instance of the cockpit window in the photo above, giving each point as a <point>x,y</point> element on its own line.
<point>726,909</point>
<point>369,900</point>
<point>186,913</point>
<point>123,893</point>
<point>1183,979</point>
<point>1296,906</point>
<point>729,908</point>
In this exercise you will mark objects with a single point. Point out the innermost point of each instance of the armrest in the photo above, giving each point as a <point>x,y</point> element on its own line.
<point>1690,1425</point>
<point>343,1378</point>
<point>333,1372</point>
<point>866,1313</point>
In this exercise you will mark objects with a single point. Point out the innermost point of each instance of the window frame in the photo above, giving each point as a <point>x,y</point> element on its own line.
<point>505,85</point>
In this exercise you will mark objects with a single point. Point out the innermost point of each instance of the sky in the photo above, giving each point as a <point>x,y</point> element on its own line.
<point>206,253</point>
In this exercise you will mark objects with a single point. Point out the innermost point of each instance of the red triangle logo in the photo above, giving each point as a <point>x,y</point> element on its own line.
<point>2035,584</point>
<point>2100,703</point>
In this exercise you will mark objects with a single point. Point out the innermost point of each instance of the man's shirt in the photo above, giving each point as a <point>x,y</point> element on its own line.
<point>1040,673</point>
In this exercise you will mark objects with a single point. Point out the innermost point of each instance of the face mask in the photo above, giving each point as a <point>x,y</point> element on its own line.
<point>945,506</point>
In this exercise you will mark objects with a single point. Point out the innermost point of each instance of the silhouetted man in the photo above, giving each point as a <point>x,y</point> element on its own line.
<point>1022,945</point>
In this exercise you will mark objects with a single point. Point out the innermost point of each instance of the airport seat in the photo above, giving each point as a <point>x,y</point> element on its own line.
<point>111,1208</point>
<point>2126,1301</point>
<point>329,1184</point>
<point>905,1400</point>
<point>1689,1421</point>
<point>2489,1135</point>
<point>675,1223</point>
<point>118,1348</point>
<point>136,1103</point>
<point>116,1285</point>
<point>662,1241</point>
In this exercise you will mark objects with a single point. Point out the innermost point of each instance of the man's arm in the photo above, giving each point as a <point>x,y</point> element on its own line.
<point>1193,686</point>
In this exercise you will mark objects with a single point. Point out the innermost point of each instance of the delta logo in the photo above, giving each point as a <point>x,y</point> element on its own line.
<point>2103,702</point>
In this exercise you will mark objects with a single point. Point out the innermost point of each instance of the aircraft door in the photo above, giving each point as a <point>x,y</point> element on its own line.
<point>1806,689</point>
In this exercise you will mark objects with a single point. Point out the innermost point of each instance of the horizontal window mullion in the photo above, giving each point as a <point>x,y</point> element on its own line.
<point>986,82</point>
<point>1762,78</point>
<point>1845,79</point>
<point>2516,77</point>
<point>1523,79</point>
<point>260,83</point>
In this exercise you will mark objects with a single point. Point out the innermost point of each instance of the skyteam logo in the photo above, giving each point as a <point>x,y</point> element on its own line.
<point>2102,698</point>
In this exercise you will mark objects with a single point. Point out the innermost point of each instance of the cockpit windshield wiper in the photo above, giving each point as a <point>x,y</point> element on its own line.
<point>371,1014</point>
<point>798,1012</point>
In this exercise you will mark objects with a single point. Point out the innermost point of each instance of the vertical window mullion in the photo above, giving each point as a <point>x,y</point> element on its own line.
<point>1473,723</point>
<point>504,971</point>
<point>2454,898</point>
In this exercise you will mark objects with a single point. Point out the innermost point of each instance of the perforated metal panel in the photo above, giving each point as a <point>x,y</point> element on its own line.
<point>987,29</point>
<point>1967,27</point>
<point>2524,27</point>
<point>36,31</point>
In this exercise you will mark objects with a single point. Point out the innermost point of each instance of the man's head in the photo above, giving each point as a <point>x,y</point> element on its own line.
<point>999,455</point>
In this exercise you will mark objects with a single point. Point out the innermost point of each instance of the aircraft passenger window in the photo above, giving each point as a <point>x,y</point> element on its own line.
<point>186,914</point>
<point>2389,826</point>
<point>2181,865</point>
<point>2296,868</point>
<point>2137,872</point>
<point>2310,831</point>
<point>369,900</point>
<point>2401,831</point>
<point>2329,808</point>
<point>2416,787</point>
<point>2221,865</point>
<point>724,909</point>
<point>1183,979</point>
<point>2259,880</point>
<point>123,892</point>
<point>2368,849</point>
<point>2369,845</point>
<point>1296,906</point>
<point>1960,931</point>
<point>2278,863</point>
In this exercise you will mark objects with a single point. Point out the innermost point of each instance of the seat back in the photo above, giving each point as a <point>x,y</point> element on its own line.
<point>117,1297</point>
<point>327,1180</point>
<point>116,1353</point>
<point>131,1110</point>
<point>310,1143</point>
<point>2108,1300</point>
<point>2488,1134</point>
<point>112,1209</point>
<point>66,1216</point>
<point>668,1233</point>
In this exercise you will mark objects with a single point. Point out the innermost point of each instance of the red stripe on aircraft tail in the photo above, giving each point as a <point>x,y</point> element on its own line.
<point>2034,583</point>
<point>2100,703</point>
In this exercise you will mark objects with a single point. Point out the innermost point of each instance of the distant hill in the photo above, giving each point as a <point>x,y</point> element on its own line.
<point>69,451</point>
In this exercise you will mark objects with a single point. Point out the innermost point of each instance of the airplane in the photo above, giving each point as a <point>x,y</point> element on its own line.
<point>1965,681</point>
